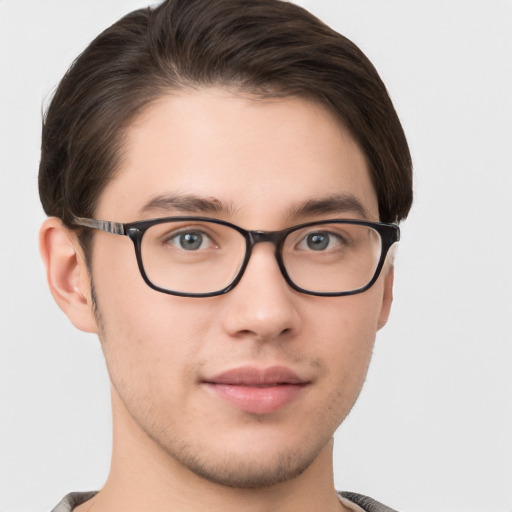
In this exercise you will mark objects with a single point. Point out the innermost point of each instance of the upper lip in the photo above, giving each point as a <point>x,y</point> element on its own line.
<point>254,376</point>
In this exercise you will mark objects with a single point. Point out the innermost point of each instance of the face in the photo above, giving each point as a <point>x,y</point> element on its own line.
<point>247,388</point>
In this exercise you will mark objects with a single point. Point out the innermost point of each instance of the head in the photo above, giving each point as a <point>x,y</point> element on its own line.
<point>256,113</point>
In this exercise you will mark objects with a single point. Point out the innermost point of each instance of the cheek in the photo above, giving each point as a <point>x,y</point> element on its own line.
<point>151,328</point>
<point>143,332</point>
<point>351,321</point>
<point>348,326</point>
<point>152,352</point>
<point>129,309</point>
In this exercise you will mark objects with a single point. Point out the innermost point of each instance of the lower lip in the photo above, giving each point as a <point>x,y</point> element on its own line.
<point>257,400</point>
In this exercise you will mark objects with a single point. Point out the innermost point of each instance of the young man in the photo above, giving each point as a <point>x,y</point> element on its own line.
<point>223,180</point>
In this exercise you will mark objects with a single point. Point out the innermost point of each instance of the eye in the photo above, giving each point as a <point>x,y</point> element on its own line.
<point>191,240</point>
<point>320,241</point>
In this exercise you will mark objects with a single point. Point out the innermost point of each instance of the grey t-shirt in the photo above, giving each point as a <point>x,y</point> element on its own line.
<point>74,499</point>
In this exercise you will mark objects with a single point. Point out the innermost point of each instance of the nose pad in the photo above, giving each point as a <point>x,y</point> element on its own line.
<point>262,305</point>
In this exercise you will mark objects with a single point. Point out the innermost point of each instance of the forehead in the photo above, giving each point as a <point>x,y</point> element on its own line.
<point>253,157</point>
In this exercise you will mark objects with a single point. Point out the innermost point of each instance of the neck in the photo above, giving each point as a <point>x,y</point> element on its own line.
<point>144,477</point>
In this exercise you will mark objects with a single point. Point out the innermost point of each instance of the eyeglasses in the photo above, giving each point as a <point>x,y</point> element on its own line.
<point>204,257</point>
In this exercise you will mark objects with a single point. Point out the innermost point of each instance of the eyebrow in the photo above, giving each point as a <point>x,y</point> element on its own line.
<point>334,204</point>
<point>189,203</point>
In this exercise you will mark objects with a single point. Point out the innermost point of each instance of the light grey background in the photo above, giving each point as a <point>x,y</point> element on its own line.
<point>432,431</point>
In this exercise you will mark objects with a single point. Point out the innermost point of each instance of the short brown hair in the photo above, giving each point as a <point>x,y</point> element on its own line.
<point>264,47</point>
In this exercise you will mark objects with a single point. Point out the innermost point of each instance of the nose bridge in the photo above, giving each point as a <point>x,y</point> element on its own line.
<point>271,237</point>
<point>261,305</point>
<point>257,237</point>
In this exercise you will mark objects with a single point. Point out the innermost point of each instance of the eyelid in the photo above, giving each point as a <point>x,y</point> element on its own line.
<point>333,229</point>
<point>181,226</point>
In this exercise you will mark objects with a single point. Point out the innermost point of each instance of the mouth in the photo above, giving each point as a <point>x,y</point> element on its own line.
<point>257,390</point>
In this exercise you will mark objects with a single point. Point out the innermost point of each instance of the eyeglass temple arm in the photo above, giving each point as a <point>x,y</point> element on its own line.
<point>116,228</point>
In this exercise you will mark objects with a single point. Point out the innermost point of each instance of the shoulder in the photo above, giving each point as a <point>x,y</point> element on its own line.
<point>366,503</point>
<point>72,500</point>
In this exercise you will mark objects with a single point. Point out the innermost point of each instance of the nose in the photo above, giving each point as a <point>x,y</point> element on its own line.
<point>262,306</point>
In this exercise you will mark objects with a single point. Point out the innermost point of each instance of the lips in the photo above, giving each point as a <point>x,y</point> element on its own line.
<point>257,390</point>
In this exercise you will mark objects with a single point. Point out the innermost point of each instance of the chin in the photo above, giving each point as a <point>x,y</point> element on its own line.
<point>252,463</point>
<point>247,474</point>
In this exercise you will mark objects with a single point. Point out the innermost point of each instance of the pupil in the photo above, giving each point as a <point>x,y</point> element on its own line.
<point>317,241</point>
<point>191,241</point>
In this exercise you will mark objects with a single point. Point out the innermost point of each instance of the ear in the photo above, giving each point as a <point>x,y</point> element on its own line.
<point>67,273</point>
<point>387,297</point>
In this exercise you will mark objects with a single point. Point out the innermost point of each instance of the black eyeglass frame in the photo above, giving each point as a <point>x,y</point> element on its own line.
<point>389,234</point>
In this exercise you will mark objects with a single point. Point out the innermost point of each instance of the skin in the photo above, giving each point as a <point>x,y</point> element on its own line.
<point>177,445</point>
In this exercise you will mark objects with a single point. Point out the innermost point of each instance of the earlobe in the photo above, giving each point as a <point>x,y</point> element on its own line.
<point>67,273</point>
<point>387,298</point>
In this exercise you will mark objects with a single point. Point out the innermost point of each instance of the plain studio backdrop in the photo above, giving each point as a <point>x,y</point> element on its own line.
<point>432,431</point>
